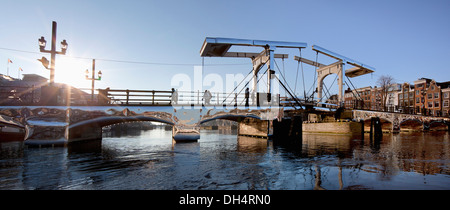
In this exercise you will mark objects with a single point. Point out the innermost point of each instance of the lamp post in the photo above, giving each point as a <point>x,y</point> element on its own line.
<point>93,78</point>
<point>52,51</point>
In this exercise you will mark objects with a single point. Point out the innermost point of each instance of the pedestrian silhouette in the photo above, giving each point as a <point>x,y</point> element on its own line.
<point>207,97</point>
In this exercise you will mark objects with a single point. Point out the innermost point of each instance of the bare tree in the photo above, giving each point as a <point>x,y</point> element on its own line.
<point>385,82</point>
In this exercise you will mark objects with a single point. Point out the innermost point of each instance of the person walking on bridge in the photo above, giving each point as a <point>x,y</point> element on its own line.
<point>207,97</point>
<point>174,97</point>
<point>247,96</point>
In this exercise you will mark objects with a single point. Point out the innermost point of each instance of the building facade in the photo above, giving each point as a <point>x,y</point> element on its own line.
<point>406,98</point>
<point>425,97</point>
<point>446,101</point>
<point>432,98</point>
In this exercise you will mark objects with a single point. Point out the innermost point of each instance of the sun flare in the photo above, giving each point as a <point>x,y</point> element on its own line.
<point>72,71</point>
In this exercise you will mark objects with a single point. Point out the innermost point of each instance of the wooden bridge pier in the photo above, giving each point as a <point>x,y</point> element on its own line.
<point>375,128</point>
<point>288,130</point>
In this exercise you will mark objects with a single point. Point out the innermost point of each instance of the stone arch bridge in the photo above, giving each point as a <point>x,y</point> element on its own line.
<point>397,119</point>
<point>56,125</point>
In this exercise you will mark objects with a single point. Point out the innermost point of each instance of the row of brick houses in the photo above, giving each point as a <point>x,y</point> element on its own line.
<point>425,96</point>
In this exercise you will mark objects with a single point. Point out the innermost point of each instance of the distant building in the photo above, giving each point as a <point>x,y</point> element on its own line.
<point>358,98</point>
<point>446,101</point>
<point>406,98</point>
<point>431,97</point>
<point>392,97</point>
<point>425,96</point>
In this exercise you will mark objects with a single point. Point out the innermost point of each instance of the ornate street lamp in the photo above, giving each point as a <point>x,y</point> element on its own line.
<point>42,43</point>
<point>93,78</point>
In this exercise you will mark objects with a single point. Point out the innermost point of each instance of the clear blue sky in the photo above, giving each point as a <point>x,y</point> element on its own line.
<point>406,39</point>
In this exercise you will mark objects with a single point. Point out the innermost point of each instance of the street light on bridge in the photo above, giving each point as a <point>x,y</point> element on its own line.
<point>42,43</point>
<point>93,78</point>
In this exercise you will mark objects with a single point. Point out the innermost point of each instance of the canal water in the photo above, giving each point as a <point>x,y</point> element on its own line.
<point>221,160</point>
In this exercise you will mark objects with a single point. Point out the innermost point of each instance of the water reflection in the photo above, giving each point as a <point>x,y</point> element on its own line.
<point>223,160</point>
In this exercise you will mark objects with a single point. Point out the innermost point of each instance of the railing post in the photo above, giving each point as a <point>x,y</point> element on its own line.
<point>128,96</point>
<point>198,97</point>
<point>153,97</point>
<point>218,102</point>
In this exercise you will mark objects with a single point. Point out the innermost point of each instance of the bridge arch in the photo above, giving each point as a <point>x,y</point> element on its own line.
<point>411,124</point>
<point>92,128</point>
<point>386,124</point>
<point>323,72</point>
<point>439,125</point>
<point>232,117</point>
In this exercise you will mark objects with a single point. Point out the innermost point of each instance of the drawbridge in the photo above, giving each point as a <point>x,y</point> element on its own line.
<point>263,114</point>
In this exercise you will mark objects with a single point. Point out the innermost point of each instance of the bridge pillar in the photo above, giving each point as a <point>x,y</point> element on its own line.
<point>253,128</point>
<point>426,126</point>
<point>362,128</point>
<point>288,130</point>
<point>43,126</point>
<point>81,133</point>
<point>375,128</point>
<point>395,125</point>
<point>40,134</point>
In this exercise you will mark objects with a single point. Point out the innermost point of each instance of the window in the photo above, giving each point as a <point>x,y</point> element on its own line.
<point>436,95</point>
<point>432,87</point>
<point>430,105</point>
<point>436,104</point>
<point>417,100</point>
<point>446,95</point>
<point>446,103</point>
<point>430,96</point>
<point>400,96</point>
<point>417,92</point>
<point>411,94</point>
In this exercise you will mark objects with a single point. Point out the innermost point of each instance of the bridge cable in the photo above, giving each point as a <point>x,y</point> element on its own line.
<point>282,73</point>
<point>355,95</point>
<point>283,77</point>
<point>354,88</point>
<point>238,85</point>
<point>303,75</point>
<point>295,99</point>
<point>249,82</point>
<point>315,72</point>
